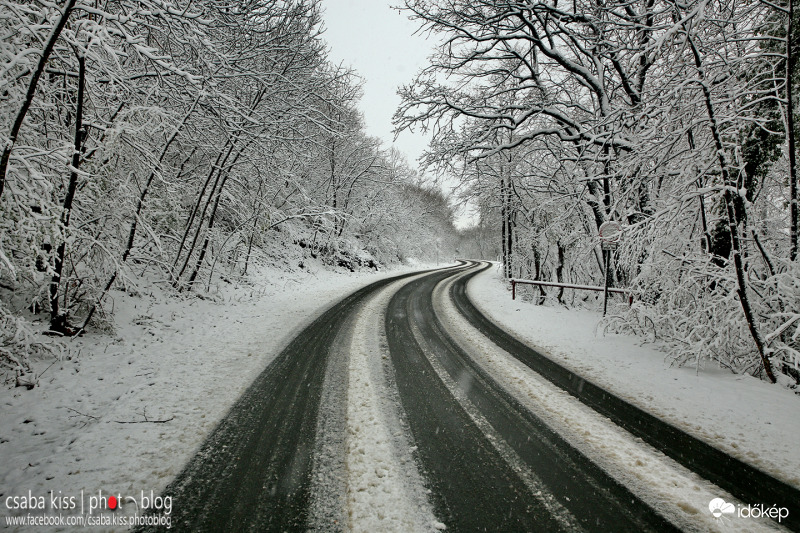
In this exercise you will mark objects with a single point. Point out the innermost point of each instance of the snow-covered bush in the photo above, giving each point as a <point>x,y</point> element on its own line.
<point>20,343</point>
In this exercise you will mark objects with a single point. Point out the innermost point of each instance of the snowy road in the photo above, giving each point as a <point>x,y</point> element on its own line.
<point>492,465</point>
<point>401,409</point>
<point>254,470</point>
<point>738,479</point>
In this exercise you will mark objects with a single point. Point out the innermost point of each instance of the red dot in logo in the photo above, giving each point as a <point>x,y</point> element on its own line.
<point>112,502</point>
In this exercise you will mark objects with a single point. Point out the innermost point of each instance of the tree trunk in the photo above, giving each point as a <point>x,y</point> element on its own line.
<point>730,208</point>
<point>705,244</point>
<point>58,319</point>
<point>250,246</point>
<point>537,276</point>
<point>507,216</point>
<point>212,217</point>
<point>222,178</point>
<point>253,229</point>
<point>26,104</point>
<point>790,139</point>
<point>560,272</point>
<point>150,178</point>
<point>503,226</point>
<point>218,169</point>
<point>220,161</point>
<point>594,204</point>
<point>511,216</point>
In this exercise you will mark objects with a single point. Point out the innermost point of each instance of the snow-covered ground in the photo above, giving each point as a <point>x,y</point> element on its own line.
<point>741,415</point>
<point>92,423</point>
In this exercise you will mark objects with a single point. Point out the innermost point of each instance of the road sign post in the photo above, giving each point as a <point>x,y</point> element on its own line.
<point>607,253</point>
<point>610,233</point>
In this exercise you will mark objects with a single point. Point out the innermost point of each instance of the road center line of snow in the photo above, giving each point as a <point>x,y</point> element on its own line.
<point>385,491</point>
<point>674,491</point>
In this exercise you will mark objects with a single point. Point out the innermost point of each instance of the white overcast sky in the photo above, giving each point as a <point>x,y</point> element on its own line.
<point>387,50</point>
<point>380,43</point>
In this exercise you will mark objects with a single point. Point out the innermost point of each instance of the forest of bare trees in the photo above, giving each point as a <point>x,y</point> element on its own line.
<point>676,119</point>
<point>182,140</point>
<point>187,140</point>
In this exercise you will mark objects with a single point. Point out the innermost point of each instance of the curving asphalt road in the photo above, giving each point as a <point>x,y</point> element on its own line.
<point>488,462</point>
<point>473,487</point>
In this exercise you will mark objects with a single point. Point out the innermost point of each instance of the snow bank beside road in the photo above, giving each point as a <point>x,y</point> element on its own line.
<point>741,415</point>
<point>183,361</point>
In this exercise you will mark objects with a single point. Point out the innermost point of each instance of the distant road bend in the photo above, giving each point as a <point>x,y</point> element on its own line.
<point>474,458</point>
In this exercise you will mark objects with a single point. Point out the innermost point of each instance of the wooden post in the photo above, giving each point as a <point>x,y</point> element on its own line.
<point>605,288</point>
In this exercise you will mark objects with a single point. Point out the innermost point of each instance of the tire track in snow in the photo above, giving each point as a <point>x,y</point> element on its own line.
<point>476,486</point>
<point>535,486</point>
<point>473,489</point>
<point>329,471</point>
